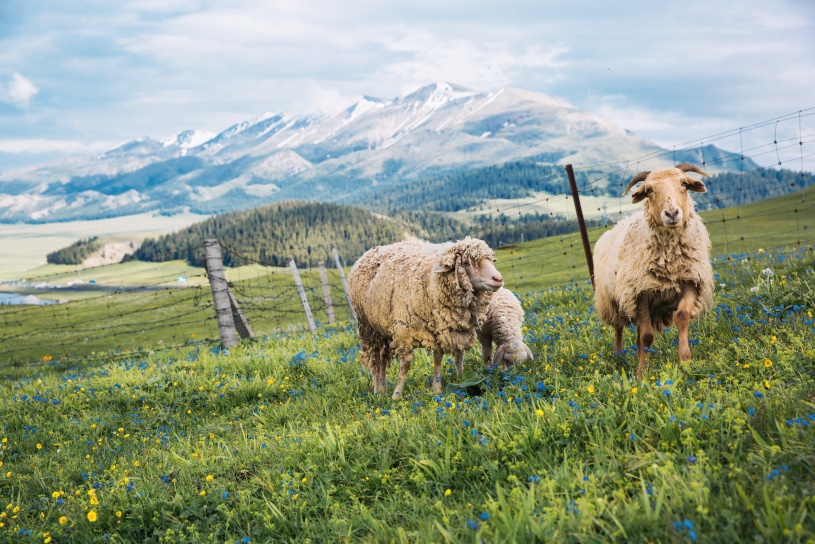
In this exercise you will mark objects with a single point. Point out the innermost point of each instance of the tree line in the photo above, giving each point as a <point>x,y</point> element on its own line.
<point>75,253</point>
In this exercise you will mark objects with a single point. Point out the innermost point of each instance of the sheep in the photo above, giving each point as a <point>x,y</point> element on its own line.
<point>503,326</point>
<point>417,294</point>
<point>653,268</point>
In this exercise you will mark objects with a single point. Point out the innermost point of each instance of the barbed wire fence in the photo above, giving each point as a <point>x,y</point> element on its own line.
<point>115,321</point>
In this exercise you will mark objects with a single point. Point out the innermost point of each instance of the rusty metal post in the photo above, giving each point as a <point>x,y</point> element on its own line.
<point>581,222</point>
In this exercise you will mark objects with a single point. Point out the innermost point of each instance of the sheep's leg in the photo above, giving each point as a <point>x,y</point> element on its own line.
<point>458,357</point>
<point>437,357</point>
<point>682,320</point>
<point>618,340</point>
<point>381,371</point>
<point>486,350</point>
<point>645,335</point>
<point>405,357</point>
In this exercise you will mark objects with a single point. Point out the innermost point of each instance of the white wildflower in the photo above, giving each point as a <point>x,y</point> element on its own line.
<point>768,272</point>
<point>754,289</point>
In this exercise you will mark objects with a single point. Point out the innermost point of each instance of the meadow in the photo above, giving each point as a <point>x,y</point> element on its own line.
<point>280,439</point>
<point>148,432</point>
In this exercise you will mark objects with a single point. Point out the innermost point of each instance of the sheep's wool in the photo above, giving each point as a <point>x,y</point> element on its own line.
<point>504,326</point>
<point>401,303</point>
<point>636,258</point>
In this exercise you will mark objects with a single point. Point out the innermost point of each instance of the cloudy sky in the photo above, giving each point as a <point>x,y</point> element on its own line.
<point>85,75</point>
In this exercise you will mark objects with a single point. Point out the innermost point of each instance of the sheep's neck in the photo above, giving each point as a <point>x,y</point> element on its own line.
<point>671,253</point>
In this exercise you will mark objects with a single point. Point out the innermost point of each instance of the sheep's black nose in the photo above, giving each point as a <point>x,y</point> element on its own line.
<point>672,216</point>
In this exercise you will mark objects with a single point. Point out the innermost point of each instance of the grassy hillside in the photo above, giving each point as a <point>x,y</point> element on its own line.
<point>763,225</point>
<point>281,440</point>
<point>271,301</point>
<point>274,234</point>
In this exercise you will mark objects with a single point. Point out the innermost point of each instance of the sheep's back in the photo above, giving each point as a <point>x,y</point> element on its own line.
<point>505,316</point>
<point>386,282</point>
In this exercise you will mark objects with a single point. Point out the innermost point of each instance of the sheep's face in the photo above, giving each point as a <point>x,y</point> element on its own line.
<point>475,259</point>
<point>665,192</point>
<point>512,353</point>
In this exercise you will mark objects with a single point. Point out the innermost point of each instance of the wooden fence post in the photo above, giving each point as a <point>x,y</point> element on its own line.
<point>241,323</point>
<point>220,293</point>
<point>303,298</point>
<point>344,284</point>
<point>329,305</point>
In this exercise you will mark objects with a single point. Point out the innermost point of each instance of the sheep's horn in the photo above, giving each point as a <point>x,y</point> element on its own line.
<point>687,167</point>
<point>636,179</point>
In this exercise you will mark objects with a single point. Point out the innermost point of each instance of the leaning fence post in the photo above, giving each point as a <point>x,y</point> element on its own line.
<point>329,305</point>
<point>581,222</point>
<point>303,298</point>
<point>220,293</point>
<point>344,284</point>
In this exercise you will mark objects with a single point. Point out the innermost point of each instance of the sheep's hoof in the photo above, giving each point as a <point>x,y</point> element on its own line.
<point>684,357</point>
<point>436,387</point>
<point>397,395</point>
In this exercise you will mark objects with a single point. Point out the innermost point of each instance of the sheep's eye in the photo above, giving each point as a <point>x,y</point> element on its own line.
<point>465,262</point>
<point>649,192</point>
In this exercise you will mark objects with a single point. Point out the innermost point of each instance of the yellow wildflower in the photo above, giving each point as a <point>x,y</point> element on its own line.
<point>92,516</point>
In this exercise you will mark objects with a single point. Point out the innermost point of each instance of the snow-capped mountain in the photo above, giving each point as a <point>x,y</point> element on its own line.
<point>435,129</point>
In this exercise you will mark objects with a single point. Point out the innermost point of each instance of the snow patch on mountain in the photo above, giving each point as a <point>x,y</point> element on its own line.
<point>187,139</point>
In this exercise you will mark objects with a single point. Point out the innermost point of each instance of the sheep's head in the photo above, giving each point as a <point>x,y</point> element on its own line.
<point>473,259</point>
<point>512,353</point>
<point>665,193</point>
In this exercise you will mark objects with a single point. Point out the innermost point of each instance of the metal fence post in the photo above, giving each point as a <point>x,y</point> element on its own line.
<point>581,222</point>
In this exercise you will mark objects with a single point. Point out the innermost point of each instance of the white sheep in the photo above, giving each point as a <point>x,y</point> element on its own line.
<point>503,326</point>
<point>417,294</point>
<point>653,268</point>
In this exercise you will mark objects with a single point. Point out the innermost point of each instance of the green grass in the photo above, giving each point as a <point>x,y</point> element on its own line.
<point>280,440</point>
<point>102,316</point>
<point>757,226</point>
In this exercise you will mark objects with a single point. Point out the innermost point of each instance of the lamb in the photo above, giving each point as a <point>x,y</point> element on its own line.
<point>503,326</point>
<point>417,294</point>
<point>653,268</point>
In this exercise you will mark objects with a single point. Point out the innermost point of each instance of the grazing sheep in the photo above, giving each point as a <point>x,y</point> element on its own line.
<point>505,318</point>
<point>653,268</point>
<point>417,294</point>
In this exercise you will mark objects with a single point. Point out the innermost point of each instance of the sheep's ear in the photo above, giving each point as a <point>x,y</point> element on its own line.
<point>499,354</point>
<point>446,262</point>
<point>528,351</point>
<point>640,194</point>
<point>695,185</point>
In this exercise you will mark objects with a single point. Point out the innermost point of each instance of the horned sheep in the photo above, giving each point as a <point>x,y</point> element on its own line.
<point>417,294</point>
<point>504,327</point>
<point>653,268</point>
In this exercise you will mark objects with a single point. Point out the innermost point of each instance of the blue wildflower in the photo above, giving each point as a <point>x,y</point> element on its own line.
<point>484,516</point>
<point>472,524</point>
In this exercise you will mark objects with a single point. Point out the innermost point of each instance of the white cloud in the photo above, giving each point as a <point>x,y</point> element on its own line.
<point>18,91</point>
<point>40,146</point>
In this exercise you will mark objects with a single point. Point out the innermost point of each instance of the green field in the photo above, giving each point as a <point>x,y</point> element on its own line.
<point>280,439</point>
<point>24,246</point>
<point>100,319</point>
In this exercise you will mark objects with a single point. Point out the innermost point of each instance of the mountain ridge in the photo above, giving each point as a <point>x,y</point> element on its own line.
<point>438,129</point>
